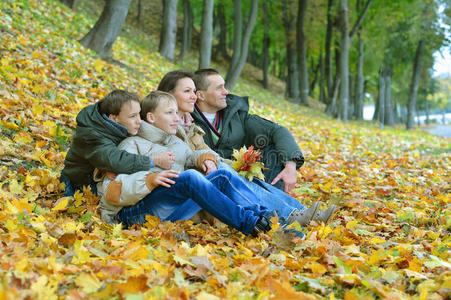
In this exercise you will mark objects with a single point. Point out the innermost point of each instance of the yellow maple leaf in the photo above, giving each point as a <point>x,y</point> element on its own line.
<point>61,204</point>
<point>88,282</point>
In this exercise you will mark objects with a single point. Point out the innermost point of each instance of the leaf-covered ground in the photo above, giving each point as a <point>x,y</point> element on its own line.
<point>390,238</point>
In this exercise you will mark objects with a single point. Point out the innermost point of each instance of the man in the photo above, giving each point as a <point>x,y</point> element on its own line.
<point>228,125</point>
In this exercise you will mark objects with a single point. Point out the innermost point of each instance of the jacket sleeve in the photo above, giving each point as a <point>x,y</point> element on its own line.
<point>106,156</point>
<point>127,189</point>
<point>261,132</point>
<point>197,158</point>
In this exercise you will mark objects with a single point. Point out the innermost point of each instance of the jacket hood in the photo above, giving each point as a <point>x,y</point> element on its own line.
<point>90,117</point>
<point>154,134</point>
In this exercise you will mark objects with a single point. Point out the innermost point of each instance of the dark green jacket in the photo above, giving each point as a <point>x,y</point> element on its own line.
<point>95,146</point>
<point>240,128</point>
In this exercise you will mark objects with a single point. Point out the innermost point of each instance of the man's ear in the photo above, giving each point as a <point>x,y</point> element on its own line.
<point>200,95</point>
<point>150,118</point>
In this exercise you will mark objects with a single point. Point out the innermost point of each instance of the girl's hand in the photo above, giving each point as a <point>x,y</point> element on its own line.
<point>209,166</point>
<point>164,178</point>
<point>164,160</point>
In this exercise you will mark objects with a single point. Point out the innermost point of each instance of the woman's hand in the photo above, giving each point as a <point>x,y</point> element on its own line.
<point>209,166</point>
<point>164,178</point>
<point>164,160</point>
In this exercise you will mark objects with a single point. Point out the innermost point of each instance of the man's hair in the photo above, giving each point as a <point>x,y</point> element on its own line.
<point>112,103</point>
<point>170,80</point>
<point>200,78</point>
<point>151,102</point>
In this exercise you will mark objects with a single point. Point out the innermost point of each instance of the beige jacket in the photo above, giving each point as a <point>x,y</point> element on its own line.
<point>126,189</point>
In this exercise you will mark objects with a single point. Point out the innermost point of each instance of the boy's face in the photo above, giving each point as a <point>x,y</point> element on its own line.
<point>165,116</point>
<point>129,117</point>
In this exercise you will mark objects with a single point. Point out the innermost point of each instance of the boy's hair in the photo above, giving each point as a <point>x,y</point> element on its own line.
<point>200,78</point>
<point>112,103</point>
<point>151,101</point>
<point>170,80</point>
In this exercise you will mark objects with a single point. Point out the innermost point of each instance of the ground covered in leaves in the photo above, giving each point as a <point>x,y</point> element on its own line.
<point>390,238</point>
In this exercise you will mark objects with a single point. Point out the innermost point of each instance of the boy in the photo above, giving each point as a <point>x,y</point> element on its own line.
<point>97,135</point>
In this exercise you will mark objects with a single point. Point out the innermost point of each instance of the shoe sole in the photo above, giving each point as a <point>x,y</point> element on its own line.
<point>332,213</point>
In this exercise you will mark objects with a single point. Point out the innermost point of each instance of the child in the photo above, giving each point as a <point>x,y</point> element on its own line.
<point>129,198</point>
<point>97,135</point>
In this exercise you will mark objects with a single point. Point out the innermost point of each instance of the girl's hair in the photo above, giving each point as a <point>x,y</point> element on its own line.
<point>112,103</point>
<point>170,80</point>
<point>151,101</point>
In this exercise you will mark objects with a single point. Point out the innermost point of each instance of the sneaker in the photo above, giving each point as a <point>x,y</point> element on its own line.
<point>325,215</point>
<point>303,217</point>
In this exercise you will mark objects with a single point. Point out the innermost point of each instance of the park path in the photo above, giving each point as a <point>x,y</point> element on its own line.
<point>440,130</point>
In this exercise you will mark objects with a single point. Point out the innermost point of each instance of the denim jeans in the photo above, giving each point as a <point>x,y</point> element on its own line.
<point>71,188</point>
<point>218,193</point>
<point>270,197</point>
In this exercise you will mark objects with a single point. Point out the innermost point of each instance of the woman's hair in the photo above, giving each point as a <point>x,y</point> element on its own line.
<point>151,102</point>
<point>170,80</point>
<point>112,103</point>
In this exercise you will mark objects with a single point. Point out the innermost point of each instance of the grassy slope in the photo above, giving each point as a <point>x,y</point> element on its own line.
<point>392,235</point>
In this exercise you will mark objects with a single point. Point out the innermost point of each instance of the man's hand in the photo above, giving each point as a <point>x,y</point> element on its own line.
<point>288,175</point>
<point>164,178</point>
<point>164,160</point>
<point>209,166</point>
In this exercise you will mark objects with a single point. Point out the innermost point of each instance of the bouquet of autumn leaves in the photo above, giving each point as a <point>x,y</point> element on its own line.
<point>246,163</point>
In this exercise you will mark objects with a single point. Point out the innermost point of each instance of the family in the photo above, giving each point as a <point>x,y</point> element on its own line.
<point>167,155</point>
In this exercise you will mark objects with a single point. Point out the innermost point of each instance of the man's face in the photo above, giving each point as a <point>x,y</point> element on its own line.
<point>213,99</point>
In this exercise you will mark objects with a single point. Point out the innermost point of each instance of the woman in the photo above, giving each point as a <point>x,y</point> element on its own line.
<point>180,85</point>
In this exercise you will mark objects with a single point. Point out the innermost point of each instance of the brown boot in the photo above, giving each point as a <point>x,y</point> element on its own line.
<point>303,217</point>
<point>323,216</point>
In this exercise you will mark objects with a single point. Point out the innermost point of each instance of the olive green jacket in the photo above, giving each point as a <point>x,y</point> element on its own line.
<point>95,146</point>
<point>240,128</point>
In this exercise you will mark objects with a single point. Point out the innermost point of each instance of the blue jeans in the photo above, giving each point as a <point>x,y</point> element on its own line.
<point>270,197</point>
<point>217,193</point>
<point>71,188</point>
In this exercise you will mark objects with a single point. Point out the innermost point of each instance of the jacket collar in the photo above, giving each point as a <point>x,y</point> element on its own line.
<point>154,134</point>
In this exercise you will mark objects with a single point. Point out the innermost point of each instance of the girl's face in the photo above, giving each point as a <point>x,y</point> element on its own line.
<point>129,117</point>
<point>165,116</point>
<point>185,94</point>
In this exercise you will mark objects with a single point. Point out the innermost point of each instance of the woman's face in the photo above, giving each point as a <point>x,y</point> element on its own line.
<point>185,94</point>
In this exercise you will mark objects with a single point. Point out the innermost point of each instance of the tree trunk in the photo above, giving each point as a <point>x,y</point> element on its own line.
<point>187,29</point>
<point>413,90</point>
<point>102,36</point>
<point>292,78</point>
<point>235,69</point>
<point>222,44</point>
<point>344,62</point>
<point>332,97</point>
<point>359,84</point>
<point>138,16</point>
<point>168,29</point>
<point>206,35</point>
<point>265,54</point>
<point>328,53</point>
<point>315,76</point>
<point>322,90</point>
<point>381,99</point>
<point>427,112</point>
<point>302,54</point>
<point>389,118</point>
<point>69,3</point>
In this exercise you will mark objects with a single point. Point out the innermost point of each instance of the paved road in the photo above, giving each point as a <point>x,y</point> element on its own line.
<point>440,130</point>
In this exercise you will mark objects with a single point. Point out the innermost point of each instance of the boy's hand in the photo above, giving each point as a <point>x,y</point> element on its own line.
<point>164,178</point>
<point>164,160</point>
<point>209,166</point>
